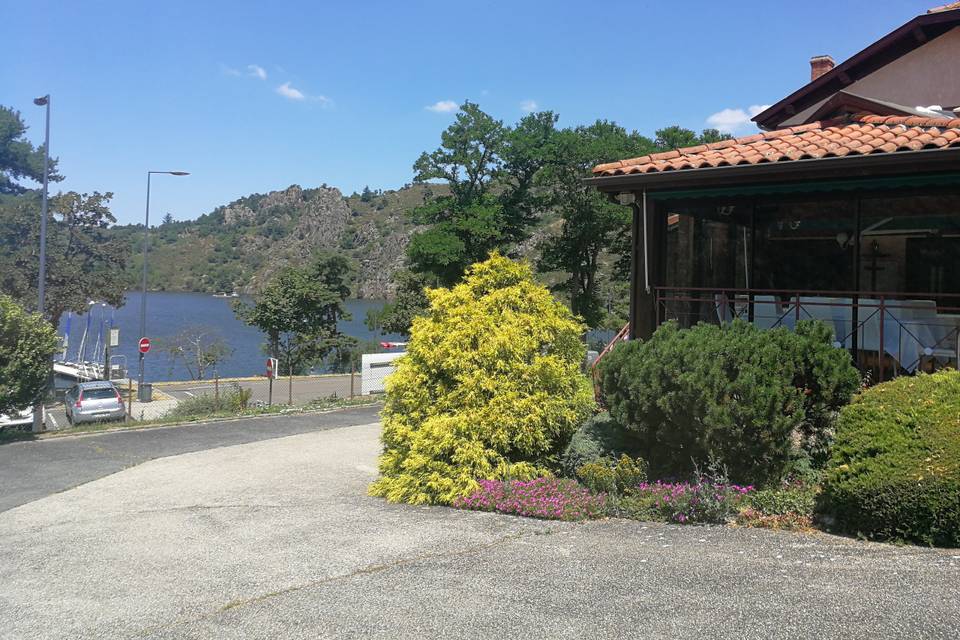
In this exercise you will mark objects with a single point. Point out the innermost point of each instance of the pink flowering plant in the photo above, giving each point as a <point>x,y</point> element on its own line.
<point>701,501</point>
<point>547,498</point>
<point>709,498</point>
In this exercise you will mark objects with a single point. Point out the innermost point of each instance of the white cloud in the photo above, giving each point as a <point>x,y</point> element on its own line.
<point>229,71</point>
<point>257,71</point>
<point>528,105</point>
<point>443,106</point>
<point>735,120</point>
<point>290,93</point>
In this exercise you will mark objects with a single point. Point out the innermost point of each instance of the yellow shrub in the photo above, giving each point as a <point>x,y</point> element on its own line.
<point>490,388</point>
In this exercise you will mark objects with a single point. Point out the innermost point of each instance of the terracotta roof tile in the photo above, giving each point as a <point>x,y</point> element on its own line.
<point>861,135</point>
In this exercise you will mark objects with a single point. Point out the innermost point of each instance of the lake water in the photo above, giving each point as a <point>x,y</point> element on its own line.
<point>169,313</point>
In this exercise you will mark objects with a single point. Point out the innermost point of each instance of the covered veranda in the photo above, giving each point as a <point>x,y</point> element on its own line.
<point>856,224</point>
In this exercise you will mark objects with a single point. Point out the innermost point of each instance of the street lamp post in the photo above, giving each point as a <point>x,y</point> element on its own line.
<point>143,288</point>
<point>43,101</point>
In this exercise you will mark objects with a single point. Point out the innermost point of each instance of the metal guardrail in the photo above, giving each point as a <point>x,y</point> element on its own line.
<point>905,328</point>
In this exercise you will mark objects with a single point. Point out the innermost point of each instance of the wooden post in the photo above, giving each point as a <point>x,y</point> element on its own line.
<point>129,398</point>
<point>353,376</point>
<point>643,303</point>
<point>216,391</point>
<point>290,384</point>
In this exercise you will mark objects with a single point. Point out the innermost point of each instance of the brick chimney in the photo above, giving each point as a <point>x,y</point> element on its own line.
<point>819,65</point>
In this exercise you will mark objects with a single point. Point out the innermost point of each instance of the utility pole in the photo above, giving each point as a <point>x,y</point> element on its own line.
<point>44,101</point>
<point>143,288</point>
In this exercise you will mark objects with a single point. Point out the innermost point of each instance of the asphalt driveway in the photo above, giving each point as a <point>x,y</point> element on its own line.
<point>30,470</point>
<point>277,539</point>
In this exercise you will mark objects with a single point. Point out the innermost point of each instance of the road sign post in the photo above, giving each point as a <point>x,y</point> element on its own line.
<point>142,394</point>
<point>271,374</point>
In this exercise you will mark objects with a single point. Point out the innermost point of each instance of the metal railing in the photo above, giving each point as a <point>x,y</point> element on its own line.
<point>904,331</point>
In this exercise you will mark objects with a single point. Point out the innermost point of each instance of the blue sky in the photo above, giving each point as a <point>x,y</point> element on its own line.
<point>251,97</point>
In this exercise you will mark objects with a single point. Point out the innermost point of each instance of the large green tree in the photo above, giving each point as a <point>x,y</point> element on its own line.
<point>490,171</point>
<point>590,222</point>
<point>19,159</point>
<point>592,246</point>
<point>299,309</point>
<point>27,342</point>
<point>83,262</point>
<point>491,202</point>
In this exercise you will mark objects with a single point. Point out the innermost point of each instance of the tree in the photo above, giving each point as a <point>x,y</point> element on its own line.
<point>299,310</point>
<point>590,221</point>
<point>490,171</point>
<point>490,388</point>
<point>199,348</point>
<point>27,343</point>
<point>676,137</point>
<point>595,230</point>
<point>366,195</point>
<point>409,301</point>
<point>19,159</point>
<point>167,219</point>
<point>83,262</point>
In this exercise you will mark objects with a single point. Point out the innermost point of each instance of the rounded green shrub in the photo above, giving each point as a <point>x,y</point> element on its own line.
<point>734,394</point>
<point>598,476</point>
<point>599,437</point>
<point>490,388</point>
<point>609,475</point>
<point>895,469</point>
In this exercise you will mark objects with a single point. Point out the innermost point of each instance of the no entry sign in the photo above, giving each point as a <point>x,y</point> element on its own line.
<point>271,367</point>
<point>144,345</point>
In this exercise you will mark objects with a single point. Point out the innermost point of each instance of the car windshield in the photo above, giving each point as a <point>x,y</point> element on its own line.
<point>101,393</point>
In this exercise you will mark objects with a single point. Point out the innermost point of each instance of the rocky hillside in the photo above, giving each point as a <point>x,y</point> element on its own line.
<point>238,246</point>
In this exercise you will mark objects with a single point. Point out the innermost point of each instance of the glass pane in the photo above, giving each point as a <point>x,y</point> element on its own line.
<point>99,394</point>
<point>911,244</point>
<point>805,246</point>
<point>707,247</point>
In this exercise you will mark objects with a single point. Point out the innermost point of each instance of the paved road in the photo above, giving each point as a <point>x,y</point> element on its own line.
<point>33,469</point>
<point>277,539</point>
<point>304,390</point>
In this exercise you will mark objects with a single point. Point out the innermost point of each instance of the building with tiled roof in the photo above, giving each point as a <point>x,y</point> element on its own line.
<point>845,208</point>
<point>860,135</point>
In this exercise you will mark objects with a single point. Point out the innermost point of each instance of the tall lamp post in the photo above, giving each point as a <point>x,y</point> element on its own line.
<point>43,101</point>
<point>143,288</point>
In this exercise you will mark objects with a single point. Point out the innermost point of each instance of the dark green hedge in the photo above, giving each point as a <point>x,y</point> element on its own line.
<point>895,469</point>
<point>732,393</point>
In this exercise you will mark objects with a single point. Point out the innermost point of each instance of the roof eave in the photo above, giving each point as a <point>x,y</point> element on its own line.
<point>898,163</point>
<point>842,75</point>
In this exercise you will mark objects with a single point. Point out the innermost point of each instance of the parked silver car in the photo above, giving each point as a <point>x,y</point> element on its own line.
<point>93,401</point>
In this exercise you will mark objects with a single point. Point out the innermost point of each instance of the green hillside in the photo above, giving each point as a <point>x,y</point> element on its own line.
<point>237,246</point>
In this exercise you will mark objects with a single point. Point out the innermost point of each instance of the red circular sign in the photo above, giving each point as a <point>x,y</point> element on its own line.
<point>144,345</point>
